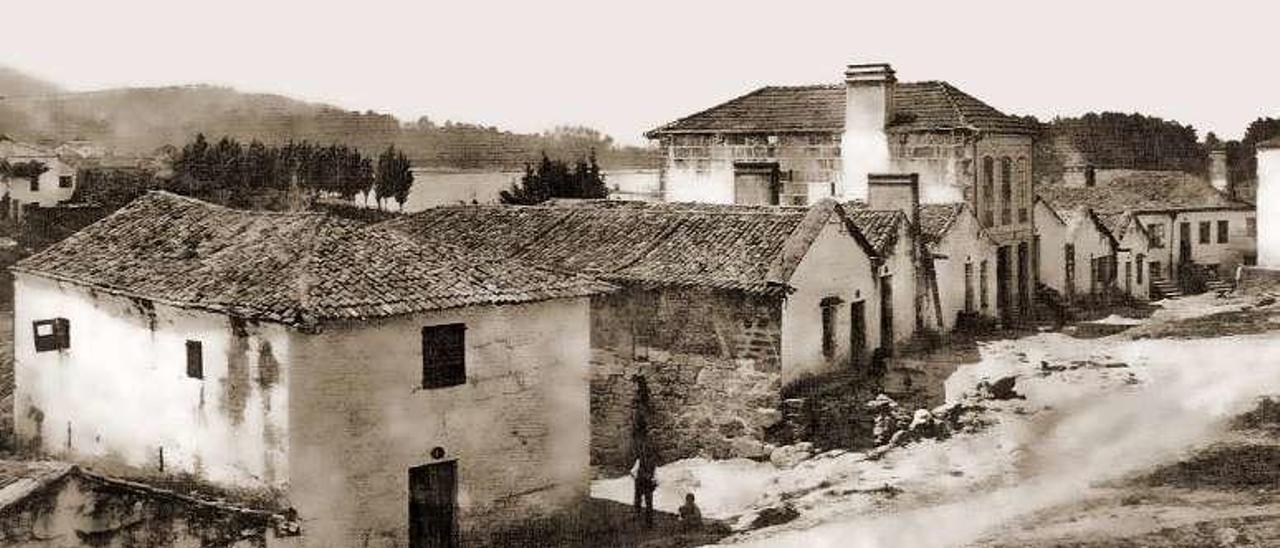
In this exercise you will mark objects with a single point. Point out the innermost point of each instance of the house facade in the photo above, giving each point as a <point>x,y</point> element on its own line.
<point>180,337</point>
<point>1051,251</point>
<point>719,307</point>
<point>1133,250</point>
<point>1187,220</point>
<point>54,186</point>
<point>963,258</point>
<point>798,144</point>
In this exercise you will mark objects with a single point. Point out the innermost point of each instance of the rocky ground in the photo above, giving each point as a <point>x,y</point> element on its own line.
<point>1117,433</point>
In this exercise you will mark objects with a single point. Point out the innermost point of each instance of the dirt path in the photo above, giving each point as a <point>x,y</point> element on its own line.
<point>1095,413</point>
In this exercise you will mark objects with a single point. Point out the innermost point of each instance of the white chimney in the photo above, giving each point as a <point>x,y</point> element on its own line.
<point>1268,203</point>
<point>1218,169</point>
<point>864,148</point>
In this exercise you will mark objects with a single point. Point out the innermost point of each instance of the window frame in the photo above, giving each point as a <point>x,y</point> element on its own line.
<point>58,338</point>
<point>830,317</point>
<point>65,179</point>
<point>1224,231</point>
<point>1205,232</point>
<point>195,359</point>
<point>451,372</point>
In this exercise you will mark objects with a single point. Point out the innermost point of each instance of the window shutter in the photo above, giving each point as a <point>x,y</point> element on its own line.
<point>444,355</point>
<point>195,359</point>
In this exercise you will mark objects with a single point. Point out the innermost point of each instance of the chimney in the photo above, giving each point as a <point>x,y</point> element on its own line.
<point>1218,170</point>
<point>900,191</point>
<point>868,109</point>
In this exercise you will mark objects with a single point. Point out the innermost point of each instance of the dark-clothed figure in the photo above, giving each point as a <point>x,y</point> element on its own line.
<point>642,412</point>
<point>690,515</point>
<point>645,470</point>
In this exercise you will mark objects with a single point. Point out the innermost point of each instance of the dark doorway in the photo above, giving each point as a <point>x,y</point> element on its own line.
<point>886,314</point>
<point>1003,272</point>
<point>433,495</point>
<point>857,332</point>
<point>1184,243</point>
<point>1024,277</point>
<point>755,184</point>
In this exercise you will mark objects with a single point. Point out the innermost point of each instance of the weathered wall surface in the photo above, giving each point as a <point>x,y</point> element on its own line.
<point>1053,238</point>
<point>1240,243</point>
<point>944,162</point>
<point>518,428</point>
<point>713,362</point>
<point>1132,272</point>
<point>1090,243</point>
<point>120,395</point>
<point>49,192</point>
<point>1268,201</point>
<point>699,168</point>
<point>901,268</point>
<point>964,245</point>
<point>80,511</point>
<point>835,267</point>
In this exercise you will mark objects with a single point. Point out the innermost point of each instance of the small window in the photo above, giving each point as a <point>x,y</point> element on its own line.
<point>1205,228</point>
<point>195,359</point>
<point>1223,228</point>
<point>52,334</point>
<point>1142,265</point>
<point>35,184</point>
<point>968,287</point>
<point>444,355</point>
<point>64,181</point>
<point>1157,234</point>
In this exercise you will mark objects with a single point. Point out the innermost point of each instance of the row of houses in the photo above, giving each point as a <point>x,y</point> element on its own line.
<point>459,370</point>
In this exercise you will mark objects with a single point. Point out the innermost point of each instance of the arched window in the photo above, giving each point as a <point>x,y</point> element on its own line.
<point>1023,180</point>
<point>1006,190</point>
<point>988,194</point>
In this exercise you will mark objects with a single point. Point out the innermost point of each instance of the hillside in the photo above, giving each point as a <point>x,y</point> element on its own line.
<point>140,120</point>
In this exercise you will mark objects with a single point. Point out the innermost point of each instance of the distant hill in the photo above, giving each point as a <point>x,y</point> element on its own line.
<point>1111,140</point>
<point>140,120</point>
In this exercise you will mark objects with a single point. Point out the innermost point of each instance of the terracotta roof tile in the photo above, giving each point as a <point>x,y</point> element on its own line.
<point>937,219</point>
<point>880,226</point>
<point>1141,191</point>
<point>918,106</point>
<point>293,268</point>
<point>747,248</point>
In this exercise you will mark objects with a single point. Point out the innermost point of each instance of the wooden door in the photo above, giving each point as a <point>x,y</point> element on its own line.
<point>886,314</point>
<point>755,184</point>
<point>433,496</point>
<point>857,332</point>
<point>1184,243</point>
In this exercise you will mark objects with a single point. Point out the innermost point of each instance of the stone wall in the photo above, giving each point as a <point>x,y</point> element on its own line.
<point>699,167</point>
<point>943,160</point>
<point>712,362</point>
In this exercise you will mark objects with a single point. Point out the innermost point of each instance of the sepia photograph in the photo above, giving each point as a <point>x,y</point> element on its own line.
<point>397,274</point>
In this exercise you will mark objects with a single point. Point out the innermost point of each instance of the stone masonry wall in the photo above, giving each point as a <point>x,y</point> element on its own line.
<point>712,361</point>
<point>809,165</point>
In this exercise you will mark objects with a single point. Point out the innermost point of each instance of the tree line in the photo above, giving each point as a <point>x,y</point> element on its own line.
<point>557,179</point>
<point>336,169</point>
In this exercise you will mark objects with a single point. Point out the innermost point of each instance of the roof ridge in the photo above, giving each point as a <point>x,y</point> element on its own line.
<point>946,93</point>
<point>706,110</point>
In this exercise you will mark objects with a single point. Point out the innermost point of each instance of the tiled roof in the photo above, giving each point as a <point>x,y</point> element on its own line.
<point>1118,222</point>
<point>294,268</point>
<point>748,248</point>
<point>918,106</point>
<point>937,219</point>
<point>1141,191</point>
<point>880,226</point>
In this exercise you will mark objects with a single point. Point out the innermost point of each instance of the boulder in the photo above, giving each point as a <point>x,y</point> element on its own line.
<point>774,515</point>
<point>788,456</point>
<point>749,448</point>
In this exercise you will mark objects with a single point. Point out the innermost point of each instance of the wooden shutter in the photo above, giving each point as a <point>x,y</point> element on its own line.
<point>444,355</point>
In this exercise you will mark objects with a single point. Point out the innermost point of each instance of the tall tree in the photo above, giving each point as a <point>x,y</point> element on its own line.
<point>394,177</point>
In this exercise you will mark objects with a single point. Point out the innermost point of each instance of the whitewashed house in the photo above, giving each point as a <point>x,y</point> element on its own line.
<point>387,389</point>
<point>1051,230</point>
<point>1132,253</point>
<point>719,307</point>
<point>54,186</point>
<point>963,257</point>
<point>1088,256</point>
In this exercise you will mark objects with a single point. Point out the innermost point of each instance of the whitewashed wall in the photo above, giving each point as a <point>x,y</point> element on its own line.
<point>120,394</point>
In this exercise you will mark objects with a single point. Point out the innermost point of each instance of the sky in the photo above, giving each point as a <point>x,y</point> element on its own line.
<point>627,67</point>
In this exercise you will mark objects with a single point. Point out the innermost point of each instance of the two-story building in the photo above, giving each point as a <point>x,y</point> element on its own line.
<point>1187,220</point>
<point>55,185</point>
<point>798,144</point>
<point>388,390</point>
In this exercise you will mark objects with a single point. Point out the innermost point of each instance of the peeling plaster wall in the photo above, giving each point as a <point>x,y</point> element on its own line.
<point>943,160</point>
<point>121,393</point>
<point>1133,245</point>
<point>835,266</point>
<point>518,428</point>
<point>700,167</point>
<point>899,265</point>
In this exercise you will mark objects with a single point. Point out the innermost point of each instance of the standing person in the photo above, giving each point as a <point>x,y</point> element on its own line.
<point>690,515</point>
<point>644,471</point>
<point>642,411</point>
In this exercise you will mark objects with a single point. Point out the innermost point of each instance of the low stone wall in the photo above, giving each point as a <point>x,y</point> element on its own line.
<point>1254,280</point>
<point>711,360</point>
